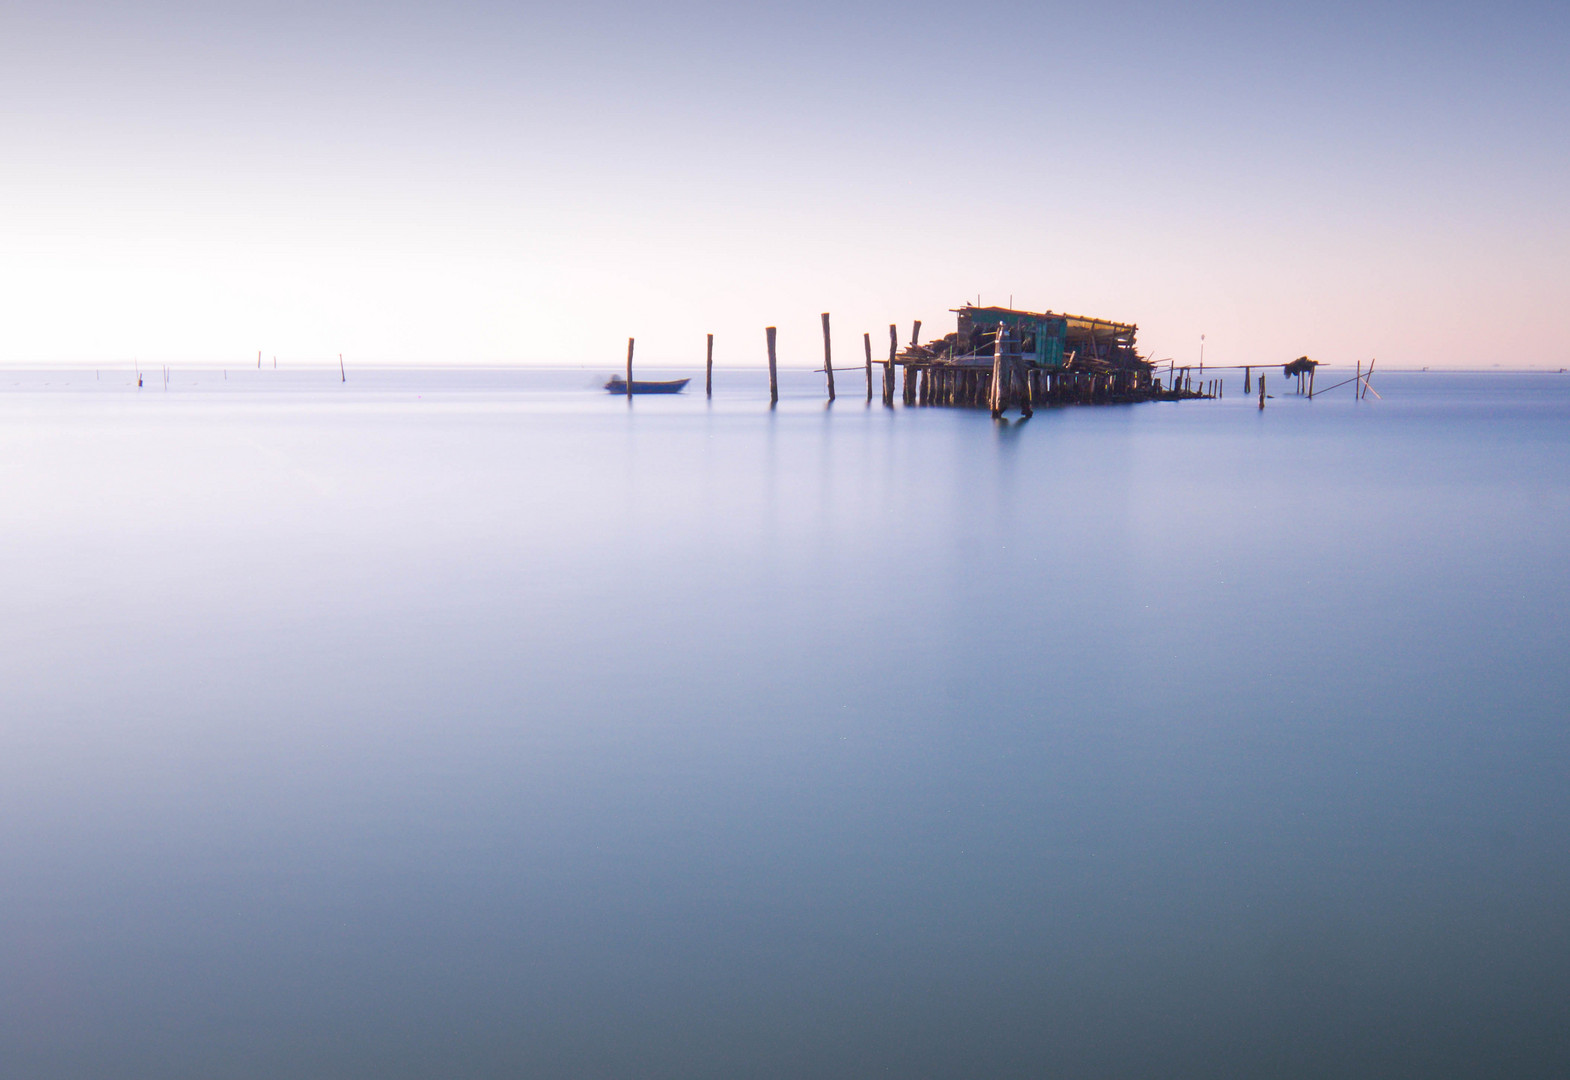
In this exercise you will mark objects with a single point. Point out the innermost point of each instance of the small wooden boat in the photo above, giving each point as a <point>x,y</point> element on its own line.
<point>618,385</point>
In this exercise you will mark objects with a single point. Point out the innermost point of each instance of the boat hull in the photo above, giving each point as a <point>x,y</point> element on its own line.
<point>640,386</point>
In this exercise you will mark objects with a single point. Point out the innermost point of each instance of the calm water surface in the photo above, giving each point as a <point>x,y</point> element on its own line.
<point>474,724</point>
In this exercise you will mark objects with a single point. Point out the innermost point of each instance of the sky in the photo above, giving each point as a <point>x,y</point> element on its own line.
<point>472,183</point>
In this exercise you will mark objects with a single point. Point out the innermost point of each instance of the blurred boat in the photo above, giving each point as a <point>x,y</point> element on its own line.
<point>618,385</point>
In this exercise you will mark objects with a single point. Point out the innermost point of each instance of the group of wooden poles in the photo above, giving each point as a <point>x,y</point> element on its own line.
<point>1009,381</point>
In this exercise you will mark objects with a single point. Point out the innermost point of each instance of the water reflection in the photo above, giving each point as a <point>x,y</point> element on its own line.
<point>470,720</point>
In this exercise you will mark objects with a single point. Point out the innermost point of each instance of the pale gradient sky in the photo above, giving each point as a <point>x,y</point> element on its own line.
<point>473,183</point>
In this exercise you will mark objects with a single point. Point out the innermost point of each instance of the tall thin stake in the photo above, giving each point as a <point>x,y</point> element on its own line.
<point>342,375</point>
<point>866,339</point>
<point>629,369</point>
<point>888,371</point>
<point>828,356</point>
<point>774,383</point>
<point>708,370</point>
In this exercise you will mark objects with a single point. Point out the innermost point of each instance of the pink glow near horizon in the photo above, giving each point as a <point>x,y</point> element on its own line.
<point>479,184</point>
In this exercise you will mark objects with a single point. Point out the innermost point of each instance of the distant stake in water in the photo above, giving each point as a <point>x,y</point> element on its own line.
<point>828,356</point>
<point>629,371</point>
<point>708,370</point>
<point>866,339</point>
<point>774,378</point>
<point>1261,389</point>
<point>342,375</point>
<point>888,369</point>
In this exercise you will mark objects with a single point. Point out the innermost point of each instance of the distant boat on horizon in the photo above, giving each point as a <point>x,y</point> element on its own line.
<point>618,385</point>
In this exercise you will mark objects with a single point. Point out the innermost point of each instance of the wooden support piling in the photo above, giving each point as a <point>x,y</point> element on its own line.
<point>1367,377</point>
<point>774,378</point>
<point>915,334</point>
<point>866,339</point>
<point>1261,389</point>
<point>997,374</point>
<point>708,370</point>
<point>888,369</point>
<point>1248,383</point>
<point>342,375</point>
<point>828,356</point>
<point>1357,381</point>
<point>629,369</point>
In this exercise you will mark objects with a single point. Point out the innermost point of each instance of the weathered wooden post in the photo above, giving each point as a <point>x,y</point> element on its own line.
<point>1357,381</point>
<point>629,369</point>
<point>1311,372</point>
<point>774,384</point>
<point>997,374</point>
<point>866,339</point>
<point>915,334</point>
<point>1261,389</point>
<point>828,356</point>
<point>1367,377</point>
<point>1027,405</point>
<point>342,375</point>
<point>1248,382</point>
<point>708,370</point>
<point>888,370</point>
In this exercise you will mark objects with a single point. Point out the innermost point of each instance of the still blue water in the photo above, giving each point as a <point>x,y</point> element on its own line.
<point>476,724</point>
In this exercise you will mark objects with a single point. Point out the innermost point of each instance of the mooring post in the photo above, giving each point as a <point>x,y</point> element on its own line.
<point>1357,381</point>
<point>997,374</point>
<point>342,375</point>
<point>828,356</point>
<point>866,339</point>
<point>1261,389</point>
<point>629,369</point>
<point>1248,382</point>
<point>1311,372</point>
<point>1367,377</point>
<point>708,370</point>
<point>774,384</point>
<point>1027,405</point>
<point>888,371</point>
